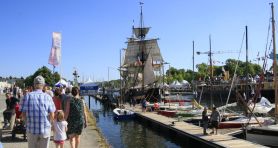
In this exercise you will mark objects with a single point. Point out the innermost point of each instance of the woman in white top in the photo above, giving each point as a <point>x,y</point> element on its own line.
<point>60,128</point>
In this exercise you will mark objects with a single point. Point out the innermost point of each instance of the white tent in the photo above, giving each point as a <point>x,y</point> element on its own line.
<point>62,82</point>
<point>88,81</point>
<point>161,85</point>
<point>185,84</point>
<point>175,85</point>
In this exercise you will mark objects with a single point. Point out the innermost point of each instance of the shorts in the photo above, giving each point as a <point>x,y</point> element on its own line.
<point>59,141</point>
<point>214,124</point>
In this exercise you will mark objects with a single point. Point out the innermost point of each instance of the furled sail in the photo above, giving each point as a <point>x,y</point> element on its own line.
<point>141,32</point>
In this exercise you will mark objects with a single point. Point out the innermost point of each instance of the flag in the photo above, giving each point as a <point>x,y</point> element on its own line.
<point>55,53</point>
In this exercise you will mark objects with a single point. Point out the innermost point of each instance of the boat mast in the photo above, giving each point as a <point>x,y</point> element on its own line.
<point>274,62</point>
<point>121,94</point>
<point>193,60</point>
<point>211,71</point>
<point>193,75</point>
<point>247,70</point>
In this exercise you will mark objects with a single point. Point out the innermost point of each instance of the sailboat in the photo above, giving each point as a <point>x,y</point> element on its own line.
<point>267,134</point>
<point>142,65</point>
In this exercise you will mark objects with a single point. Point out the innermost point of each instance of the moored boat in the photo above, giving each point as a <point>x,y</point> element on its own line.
<point>119,113</point>
<point>263,107</point>
<point>167,113</point>
<point>240,122</point>
<point>141,66</point>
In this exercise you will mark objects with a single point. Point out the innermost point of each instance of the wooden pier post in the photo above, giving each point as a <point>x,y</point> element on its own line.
<point>90,102</point>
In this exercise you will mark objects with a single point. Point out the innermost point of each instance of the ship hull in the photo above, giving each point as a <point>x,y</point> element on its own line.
<point>151,95</point>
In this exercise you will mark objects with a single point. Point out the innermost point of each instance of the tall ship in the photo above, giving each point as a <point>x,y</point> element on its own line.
<point>141,69</point>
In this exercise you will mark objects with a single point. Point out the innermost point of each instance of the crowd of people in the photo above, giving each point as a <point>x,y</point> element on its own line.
<point>43,110</point>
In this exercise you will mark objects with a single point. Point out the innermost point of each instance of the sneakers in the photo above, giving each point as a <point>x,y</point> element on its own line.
<point>5,126</point>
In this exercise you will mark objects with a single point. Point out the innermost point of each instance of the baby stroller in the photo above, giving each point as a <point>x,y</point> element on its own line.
<point>19,125</point>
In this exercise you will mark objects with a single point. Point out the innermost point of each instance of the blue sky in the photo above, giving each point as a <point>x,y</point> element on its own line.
<point>94,31</point>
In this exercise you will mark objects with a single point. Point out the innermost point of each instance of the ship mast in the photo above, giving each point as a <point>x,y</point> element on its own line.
<point>141,46</point>
<point>211,72</point>
<point>274,62</point>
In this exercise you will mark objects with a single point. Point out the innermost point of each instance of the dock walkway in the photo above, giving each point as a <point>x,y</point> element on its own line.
<point>195,133</point>
<point>90,138</point>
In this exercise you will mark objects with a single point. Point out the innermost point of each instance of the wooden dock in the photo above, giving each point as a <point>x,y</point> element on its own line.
<point>194,134</point>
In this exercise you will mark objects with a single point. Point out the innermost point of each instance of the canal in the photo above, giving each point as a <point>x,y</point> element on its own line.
<point>132,133</point>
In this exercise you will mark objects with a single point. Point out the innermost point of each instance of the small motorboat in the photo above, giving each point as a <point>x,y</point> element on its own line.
<point>120,113</point>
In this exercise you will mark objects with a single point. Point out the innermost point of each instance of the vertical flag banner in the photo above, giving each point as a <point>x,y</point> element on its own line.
<point>55,53</point>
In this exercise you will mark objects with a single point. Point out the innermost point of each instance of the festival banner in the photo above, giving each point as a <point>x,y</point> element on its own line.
<point>55,53</point>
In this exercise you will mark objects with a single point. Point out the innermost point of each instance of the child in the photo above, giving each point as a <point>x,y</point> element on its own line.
<point>205,120</point>
<point>60,128</point>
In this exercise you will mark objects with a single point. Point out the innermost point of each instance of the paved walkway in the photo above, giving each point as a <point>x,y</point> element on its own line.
<point>91,137</point>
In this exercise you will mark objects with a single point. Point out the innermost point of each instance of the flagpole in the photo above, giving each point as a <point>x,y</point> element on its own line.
<point>53,79</point>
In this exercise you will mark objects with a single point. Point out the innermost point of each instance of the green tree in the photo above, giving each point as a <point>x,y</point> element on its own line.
<point>202,70</point>
<point>252,69</point>
<point>50,78</point>
<point>217,70</point>
<point>20,82</point>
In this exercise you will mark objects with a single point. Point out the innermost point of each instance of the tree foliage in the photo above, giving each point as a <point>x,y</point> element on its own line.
<point>50,78</point>
<point>204,71</point>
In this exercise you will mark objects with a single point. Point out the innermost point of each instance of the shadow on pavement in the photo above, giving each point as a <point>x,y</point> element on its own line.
<point>7,137</point>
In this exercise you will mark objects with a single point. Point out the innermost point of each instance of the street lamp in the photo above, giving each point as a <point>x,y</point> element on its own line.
<point>76,76</point>
<point>164,63</point>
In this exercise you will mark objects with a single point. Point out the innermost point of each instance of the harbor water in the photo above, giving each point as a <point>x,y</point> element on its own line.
<point>131,133</point>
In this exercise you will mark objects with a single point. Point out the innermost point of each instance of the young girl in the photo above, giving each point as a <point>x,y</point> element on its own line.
<point>60,128</point>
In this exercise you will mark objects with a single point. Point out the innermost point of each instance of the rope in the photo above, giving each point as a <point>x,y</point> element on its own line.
<point>255,97</point>
<point>263,70</point>
<point>234,76</point>
<point>200,97</point>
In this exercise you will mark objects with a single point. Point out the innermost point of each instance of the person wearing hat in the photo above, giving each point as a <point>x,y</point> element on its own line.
<point>38,110</point>
<point>205,120</point>
<point>215,120</point>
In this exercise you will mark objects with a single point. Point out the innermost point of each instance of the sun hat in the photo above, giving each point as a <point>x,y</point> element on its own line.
<point>39,80</point>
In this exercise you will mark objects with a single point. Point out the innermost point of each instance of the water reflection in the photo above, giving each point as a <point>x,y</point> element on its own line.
<point>132,133</point>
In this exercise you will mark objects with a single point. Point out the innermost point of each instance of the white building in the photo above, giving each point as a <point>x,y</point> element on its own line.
<point>3,85</point>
